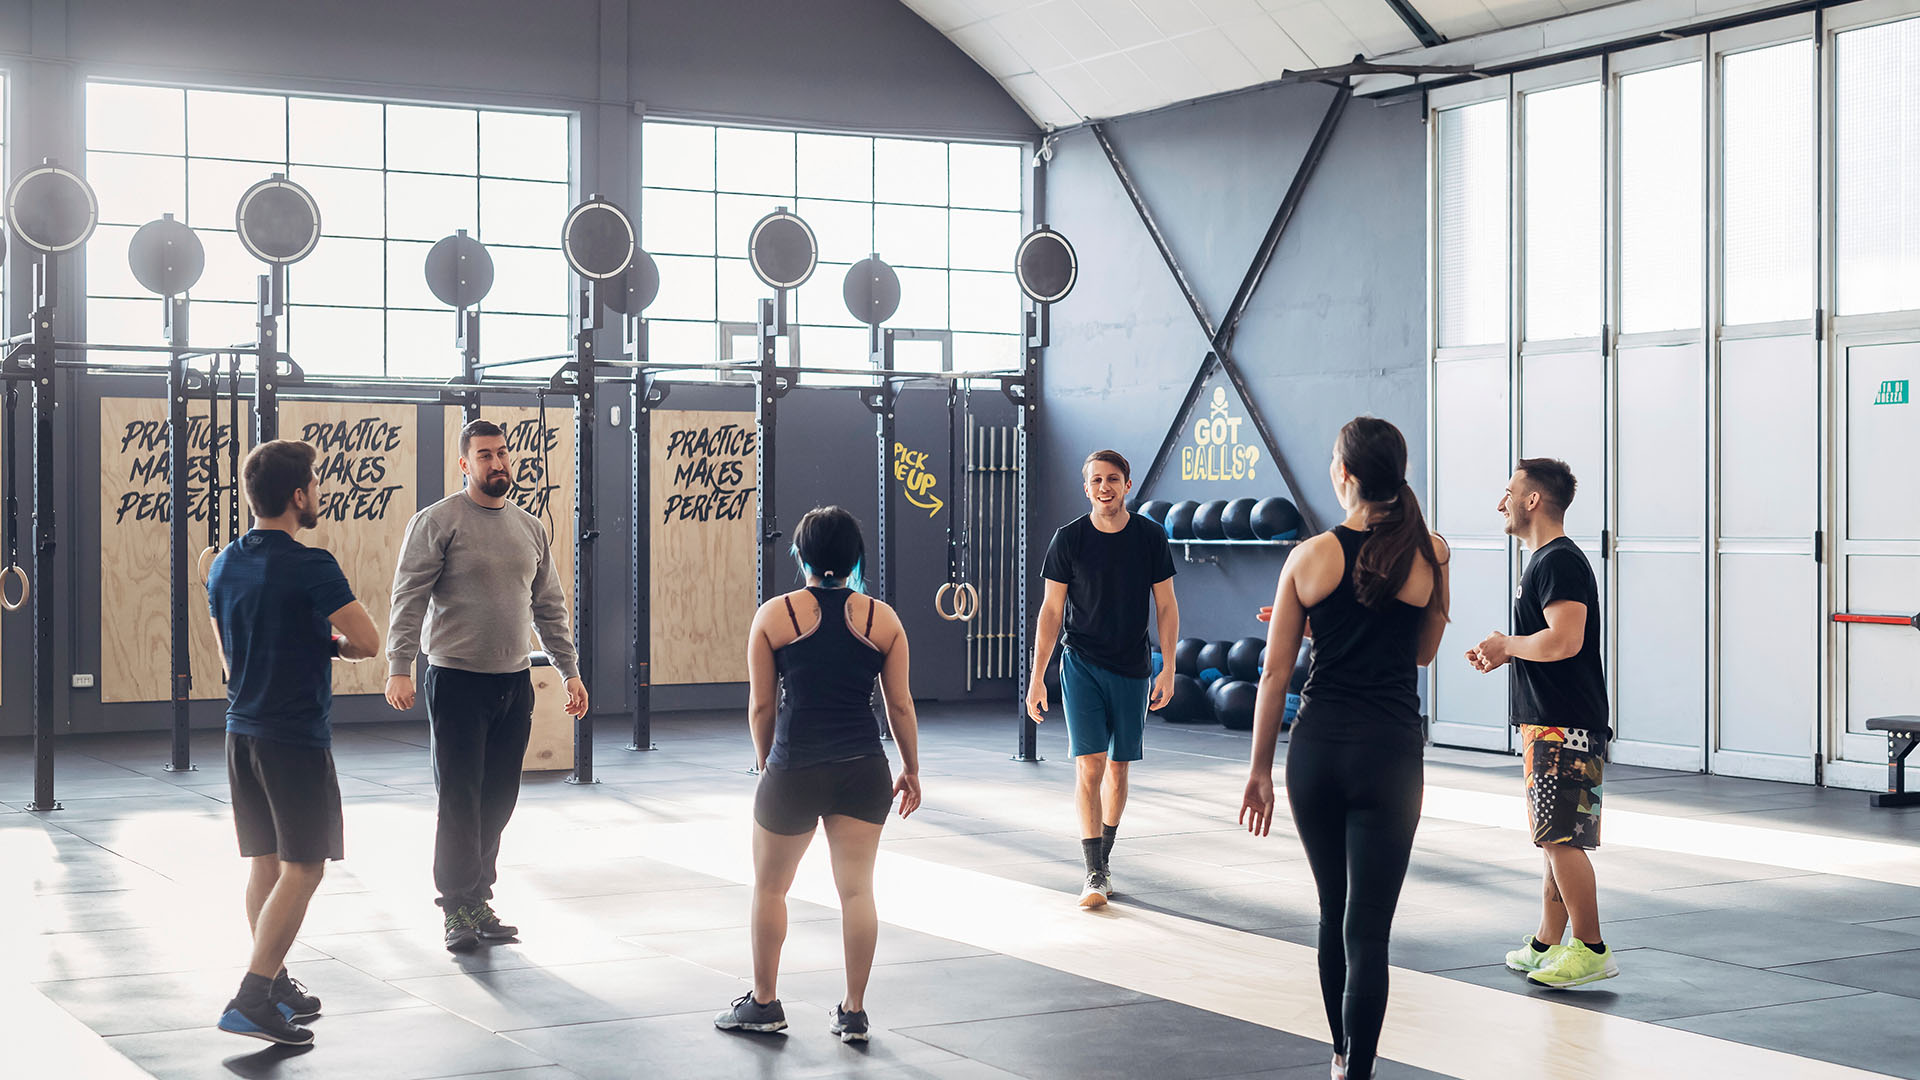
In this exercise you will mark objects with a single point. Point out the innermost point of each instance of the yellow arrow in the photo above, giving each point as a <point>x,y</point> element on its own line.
<point>931,510</point>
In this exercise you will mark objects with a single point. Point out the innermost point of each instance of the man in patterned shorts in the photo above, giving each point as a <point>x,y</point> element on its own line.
<point>1558,700</point>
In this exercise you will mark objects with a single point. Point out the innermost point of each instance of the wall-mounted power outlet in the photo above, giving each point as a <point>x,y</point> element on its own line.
<point>83,682</point>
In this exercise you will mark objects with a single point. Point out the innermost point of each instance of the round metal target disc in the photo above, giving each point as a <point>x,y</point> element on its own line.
<point>782,250</point>
<point>872,291</point>
<point>1046,266</point>
<point>634,290</point>
<point>278,221</point>
<point>166,257</point>
<point>459,271</point>
<point>598,240</point>
<point>51,210</point>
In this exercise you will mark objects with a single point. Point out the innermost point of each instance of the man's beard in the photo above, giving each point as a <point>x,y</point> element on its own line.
<point>497,486</point>
<point>1518,522</point>
<point>310,518</point>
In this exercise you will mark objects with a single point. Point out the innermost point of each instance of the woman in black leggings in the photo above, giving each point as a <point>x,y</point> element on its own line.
<point>1374,591</point>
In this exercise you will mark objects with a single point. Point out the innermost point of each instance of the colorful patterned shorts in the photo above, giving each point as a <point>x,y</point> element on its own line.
<point>1563,785</point>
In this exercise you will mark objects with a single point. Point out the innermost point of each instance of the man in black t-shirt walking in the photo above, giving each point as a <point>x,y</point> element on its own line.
<point>1558,700</point>
<point>1101,570</point>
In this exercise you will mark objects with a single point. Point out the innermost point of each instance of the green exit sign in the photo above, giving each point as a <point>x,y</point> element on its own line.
<point>1892,392</point>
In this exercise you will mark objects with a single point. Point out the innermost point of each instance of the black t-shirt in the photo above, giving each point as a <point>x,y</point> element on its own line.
<point>1110,579</point>
<point>1570,693</point>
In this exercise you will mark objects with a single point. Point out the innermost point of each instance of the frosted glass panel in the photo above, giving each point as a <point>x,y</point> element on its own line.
<point>1660,152</point>
<point>1877,151</point>
<point>1562,199</point>
<point>1472,231</point>
<point>1766,101</point>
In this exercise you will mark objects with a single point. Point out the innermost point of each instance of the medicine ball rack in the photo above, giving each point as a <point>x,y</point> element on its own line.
<point>51,211</point>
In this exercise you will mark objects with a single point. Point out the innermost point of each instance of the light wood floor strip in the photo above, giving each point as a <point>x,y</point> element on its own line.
<point>1451,1027</point>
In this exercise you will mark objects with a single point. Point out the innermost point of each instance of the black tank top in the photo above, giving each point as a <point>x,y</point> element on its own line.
<point>1362,679</point>
<point>826,690</point>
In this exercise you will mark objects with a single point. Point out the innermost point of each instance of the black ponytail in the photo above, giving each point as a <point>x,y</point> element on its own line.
<point>1375,455</point>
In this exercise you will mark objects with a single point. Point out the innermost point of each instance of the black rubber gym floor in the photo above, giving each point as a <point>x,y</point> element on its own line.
<point>130,900</point>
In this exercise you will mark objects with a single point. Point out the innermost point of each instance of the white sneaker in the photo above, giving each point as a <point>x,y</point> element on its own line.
<point>1527,958</point>
<point>1095,893</point>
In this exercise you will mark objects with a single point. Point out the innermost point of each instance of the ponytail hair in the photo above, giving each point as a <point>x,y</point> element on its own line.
<point>1375,455</point>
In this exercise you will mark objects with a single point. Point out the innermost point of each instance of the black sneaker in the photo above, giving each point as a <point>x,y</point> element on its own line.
<point>462,935</point>
<point>264,1021</point>
<point>292,994</point>
<point>850,1026</point>
<point>488,925</point>
<point>747,1014</point>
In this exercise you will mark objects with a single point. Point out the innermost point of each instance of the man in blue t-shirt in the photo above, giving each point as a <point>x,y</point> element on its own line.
<point>276,607</point>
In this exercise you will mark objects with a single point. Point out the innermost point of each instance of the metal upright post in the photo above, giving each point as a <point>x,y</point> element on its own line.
<point>1037,329</point>
<point>45,397</point>
<point>766,409</point>
<point>179,452</point>
<point>469,341</point>
<point>266,402</point>
<point>883,404</point>
<point>585,530</point>
<point>640,548</point>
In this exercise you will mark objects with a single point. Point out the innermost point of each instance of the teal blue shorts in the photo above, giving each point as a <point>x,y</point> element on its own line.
<point>1106,712</point>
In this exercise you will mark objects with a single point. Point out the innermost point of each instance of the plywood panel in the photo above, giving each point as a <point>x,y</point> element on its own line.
<point>369,468</point>
<point>136,625</point>
<point>703,527</point>
<point>543,473</point>
<point>550,742</point>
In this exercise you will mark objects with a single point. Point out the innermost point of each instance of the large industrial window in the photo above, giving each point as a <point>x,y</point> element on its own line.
<point>1471,233</point>
<point>945,216</point>
<point>390,180</point>
<point>1877,167</point>
<point>1660,205</point>
<point>1562,212</point>
<point>1766,125</point>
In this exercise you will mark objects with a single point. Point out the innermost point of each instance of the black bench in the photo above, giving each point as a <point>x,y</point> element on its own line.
<point>1903,734</point>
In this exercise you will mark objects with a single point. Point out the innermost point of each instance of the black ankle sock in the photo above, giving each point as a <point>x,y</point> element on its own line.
<point>1540,946</point>
<point>1596,945</point>
<point>1107,833</point>
<point>254,990</point>
<point>1090,851</point>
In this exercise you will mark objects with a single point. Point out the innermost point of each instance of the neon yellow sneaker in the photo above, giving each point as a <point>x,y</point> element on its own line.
<point>1529,959</point>
<point>1575,965</point>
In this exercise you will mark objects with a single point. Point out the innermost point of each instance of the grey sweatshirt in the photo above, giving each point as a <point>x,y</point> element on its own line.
<point>480,577</point>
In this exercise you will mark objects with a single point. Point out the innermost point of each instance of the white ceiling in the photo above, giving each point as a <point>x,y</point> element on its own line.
<point>1069,60</point>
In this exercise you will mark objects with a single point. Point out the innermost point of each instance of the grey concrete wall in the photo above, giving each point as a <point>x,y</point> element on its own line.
<point>1335,330</point>
<point>857,65</point>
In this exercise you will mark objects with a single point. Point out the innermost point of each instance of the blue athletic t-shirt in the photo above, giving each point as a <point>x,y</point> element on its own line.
<point>271,595</point>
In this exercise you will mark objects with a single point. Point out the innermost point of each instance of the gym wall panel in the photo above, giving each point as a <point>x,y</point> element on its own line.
<point>1881,678</point>
<point>1769,438</point>
<point>703,529</point>
<point>543,471</point>
<point>1470,709</point>
<point>1470,458</point>
<point>1562,415</point>
<point>369,488</point>
<point>1769,644</point>
<point>1662,444</point>
<point>136,656</point>
<point>1883,427</point>
<point>1661,653</point>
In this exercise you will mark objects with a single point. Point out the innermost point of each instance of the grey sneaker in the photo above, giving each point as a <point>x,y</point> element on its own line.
<point>1095,893</point>
<point>850,1026</point>
<point>747,1014</point>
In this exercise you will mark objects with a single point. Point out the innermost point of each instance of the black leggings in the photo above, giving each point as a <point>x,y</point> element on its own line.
<point>1355,806</point>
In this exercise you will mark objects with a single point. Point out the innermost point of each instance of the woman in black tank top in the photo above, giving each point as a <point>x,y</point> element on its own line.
<point>817,652</point>
<point>1374,592</point>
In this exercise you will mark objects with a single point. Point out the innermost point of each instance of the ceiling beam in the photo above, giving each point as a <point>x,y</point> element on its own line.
<point>1423,30</point>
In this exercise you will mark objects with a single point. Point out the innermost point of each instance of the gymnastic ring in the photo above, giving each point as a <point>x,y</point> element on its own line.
<point>964,612</point>
<point>205,562</point>
<point>940,602</point>
<point>26,588</point>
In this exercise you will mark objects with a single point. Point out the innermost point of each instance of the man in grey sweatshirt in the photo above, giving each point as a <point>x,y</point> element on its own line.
<point>479,570</point>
